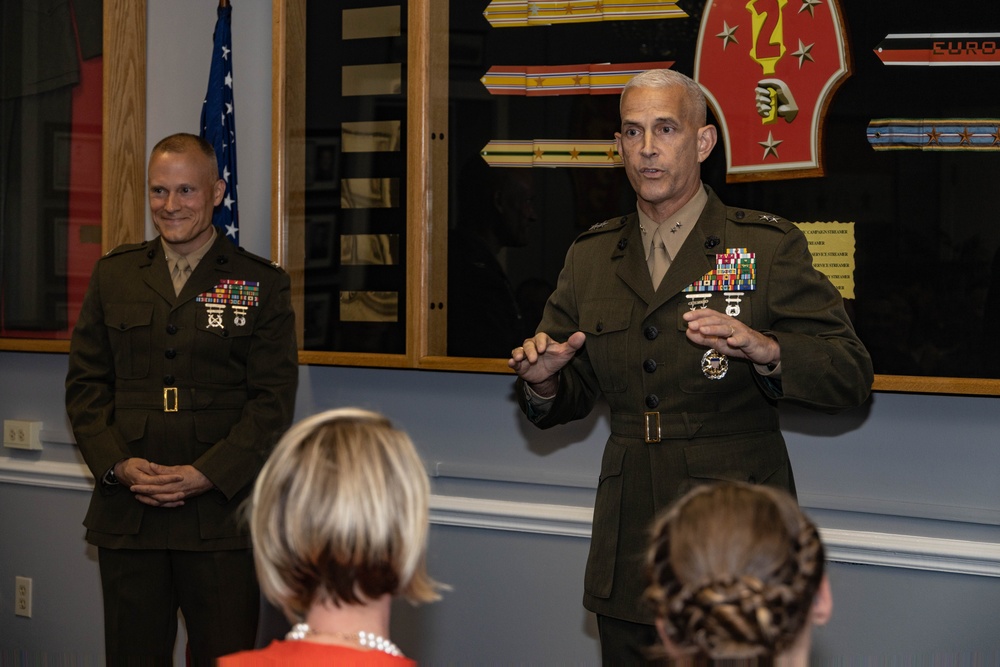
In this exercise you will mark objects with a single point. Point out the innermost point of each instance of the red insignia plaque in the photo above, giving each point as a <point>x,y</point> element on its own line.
<point>769,68</point>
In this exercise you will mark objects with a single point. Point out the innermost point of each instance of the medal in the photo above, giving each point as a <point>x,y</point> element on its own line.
<point>733,300</point>
<point>239,318</point>
<point>240,295</point>
<point>698,301</point>
<point>735,273</point>
<point>215,311</point>
<point>714,364</point>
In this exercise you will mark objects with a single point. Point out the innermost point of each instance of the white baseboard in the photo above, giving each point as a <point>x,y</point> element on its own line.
<point>843,546</point>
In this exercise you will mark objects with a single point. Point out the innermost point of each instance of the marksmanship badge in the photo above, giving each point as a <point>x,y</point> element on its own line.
<point>239,295</point>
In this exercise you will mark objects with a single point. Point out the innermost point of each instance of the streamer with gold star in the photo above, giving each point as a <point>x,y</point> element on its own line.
<point>551,153</point>
<point>941,134</point>
<point>530,13</point>
<point>547,80</point>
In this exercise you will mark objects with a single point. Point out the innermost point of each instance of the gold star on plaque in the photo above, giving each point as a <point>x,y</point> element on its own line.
<point>611,154</point>
<point>728,34</point>
<point>539,153</point>
<point>574,154</point>
<point>770,146</point>
<point>809,5</point>
<point>933,137</point>
<point>804,53</point>
<point>996,136</point>
<point>966,136</point>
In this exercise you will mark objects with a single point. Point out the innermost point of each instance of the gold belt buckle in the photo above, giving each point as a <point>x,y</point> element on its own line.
<point>170,396</point>
<point>652,422</point>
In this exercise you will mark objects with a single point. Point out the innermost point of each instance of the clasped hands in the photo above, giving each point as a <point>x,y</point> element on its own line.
<point>159,485</point>
<point>710,328</point>
<point>539,360</point>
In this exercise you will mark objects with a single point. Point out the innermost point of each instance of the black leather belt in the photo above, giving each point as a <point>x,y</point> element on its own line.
<point>655,427</point>
<point>172,399</point>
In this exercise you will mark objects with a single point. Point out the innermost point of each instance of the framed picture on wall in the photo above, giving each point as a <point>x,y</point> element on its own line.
<point>320,240</point>
<point>323,163</point>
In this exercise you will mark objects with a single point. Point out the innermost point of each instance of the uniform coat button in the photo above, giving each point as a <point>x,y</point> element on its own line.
<point>169,380</point>
<point>171,329</point>
<point>649,365</point>
<point>170,354</point>
<point>651,333</point>
<point>652,401</point>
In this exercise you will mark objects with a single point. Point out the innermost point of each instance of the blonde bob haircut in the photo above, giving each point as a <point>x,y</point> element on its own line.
<point>339,513</point>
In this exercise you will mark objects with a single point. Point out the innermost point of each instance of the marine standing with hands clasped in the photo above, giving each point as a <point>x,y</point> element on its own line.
<point>691,356</point>
<point>178,388</point>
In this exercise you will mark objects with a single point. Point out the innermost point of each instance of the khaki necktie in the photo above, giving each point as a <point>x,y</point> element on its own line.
<point>180,274</point>
<point>658,260</point>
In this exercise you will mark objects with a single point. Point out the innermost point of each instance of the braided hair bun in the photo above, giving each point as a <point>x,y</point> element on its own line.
<point>734,569</point>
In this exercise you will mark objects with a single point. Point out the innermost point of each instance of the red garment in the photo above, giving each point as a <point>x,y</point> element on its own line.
<point>310,653</point>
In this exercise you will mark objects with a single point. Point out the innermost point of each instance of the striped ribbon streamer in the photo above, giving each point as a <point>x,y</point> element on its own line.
<point>551,153</point>
<point>941,134</point>
<point>947,49</point>
<point>530,13</point>
<point>546,80</point>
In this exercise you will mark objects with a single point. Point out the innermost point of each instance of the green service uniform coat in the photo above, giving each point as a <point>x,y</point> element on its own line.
<point>230,370</point>
<point>637,355</point>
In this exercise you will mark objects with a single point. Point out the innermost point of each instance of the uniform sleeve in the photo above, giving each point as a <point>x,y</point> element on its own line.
<point>578,385</point>
<point>90,382</point>
<point>824,364</point>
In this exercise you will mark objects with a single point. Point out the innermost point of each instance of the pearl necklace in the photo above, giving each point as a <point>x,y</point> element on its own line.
<point>367,639</point>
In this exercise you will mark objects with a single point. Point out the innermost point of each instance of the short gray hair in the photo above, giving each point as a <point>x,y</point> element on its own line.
<point>668,78</point>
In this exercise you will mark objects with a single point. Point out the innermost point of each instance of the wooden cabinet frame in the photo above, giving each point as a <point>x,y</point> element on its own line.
<point>123,189</point>
<point>427,196</point>
<point>123,198</point>
<point>426,177</point>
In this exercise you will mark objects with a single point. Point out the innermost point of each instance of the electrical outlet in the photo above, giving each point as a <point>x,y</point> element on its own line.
<point>22,596</point>
<point>22,434</point>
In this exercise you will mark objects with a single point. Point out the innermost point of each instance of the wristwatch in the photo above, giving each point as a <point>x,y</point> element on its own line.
<point>110,479</point>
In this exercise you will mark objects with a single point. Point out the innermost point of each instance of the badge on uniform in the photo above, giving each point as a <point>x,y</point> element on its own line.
<point>735,273</point>
<point>238,295</point>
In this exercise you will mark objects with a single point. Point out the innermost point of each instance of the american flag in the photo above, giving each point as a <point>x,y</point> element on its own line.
<point>218,122</point>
